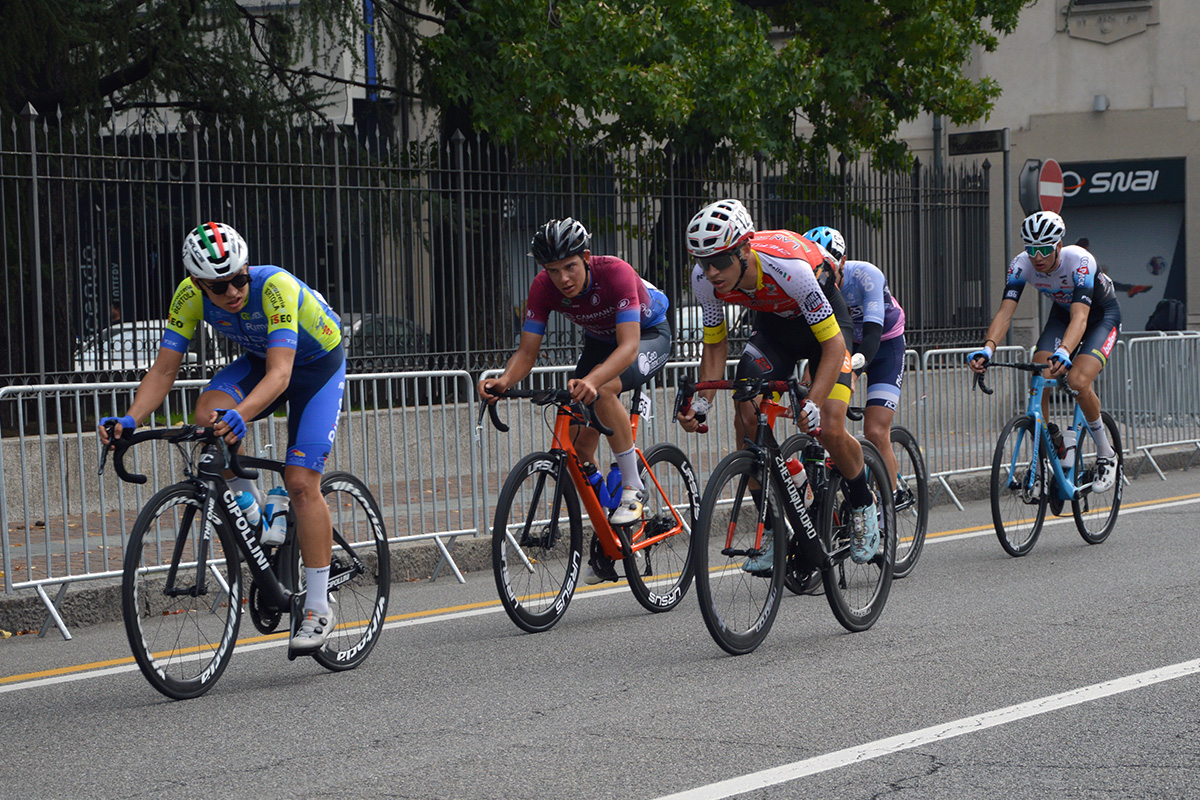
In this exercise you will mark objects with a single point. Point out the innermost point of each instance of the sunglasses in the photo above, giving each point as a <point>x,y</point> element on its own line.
<point>220,287</point>
<point>720,261</point>
<point>1042,250</point>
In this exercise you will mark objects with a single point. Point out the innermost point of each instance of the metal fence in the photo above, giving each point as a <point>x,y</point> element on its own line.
<point>420,247</point>
<point>437,475</point>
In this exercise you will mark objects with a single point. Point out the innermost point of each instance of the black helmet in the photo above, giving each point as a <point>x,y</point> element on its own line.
<point>559,239</point>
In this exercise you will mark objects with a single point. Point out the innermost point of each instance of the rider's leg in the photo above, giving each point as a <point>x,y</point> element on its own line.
<point>314,531</point>
<point>1081,378</point>
<point>877,426</point>
<point>612,413</point>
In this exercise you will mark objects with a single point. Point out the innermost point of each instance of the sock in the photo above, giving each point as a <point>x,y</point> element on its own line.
<point>1103,446</point>
<point>858,492</point>
<point>631,477</point>
<point>316,580</point>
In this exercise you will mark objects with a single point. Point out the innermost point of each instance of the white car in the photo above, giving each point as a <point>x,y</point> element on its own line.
<point>134,346</point>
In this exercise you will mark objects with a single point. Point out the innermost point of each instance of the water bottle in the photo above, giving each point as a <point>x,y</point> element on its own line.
<point>276,516</point>
<point>796,470</point>
<point>1068,457</point>
<point>612,487</point>
<point>245,501</point>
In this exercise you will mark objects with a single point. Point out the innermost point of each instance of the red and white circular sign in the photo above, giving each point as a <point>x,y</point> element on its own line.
<point>1050,186</point>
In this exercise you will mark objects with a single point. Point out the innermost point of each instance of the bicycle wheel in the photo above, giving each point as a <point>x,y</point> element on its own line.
<point>181,620</point>
<point>856,592</point>
<point>798,577</point>
<point>1096,514</point>
<point>360,574</point>
<point>911,499</point>
<point>660,573</point>
<point>1019,487</point>
<point>738,606</point>
<point>535,564</point>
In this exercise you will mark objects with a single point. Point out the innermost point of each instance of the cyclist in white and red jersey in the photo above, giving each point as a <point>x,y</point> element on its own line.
<point>293,345</point>
<point>772,272</point>
<point>878,338</point>
<point>1081,329</point>
<point>627,341</point>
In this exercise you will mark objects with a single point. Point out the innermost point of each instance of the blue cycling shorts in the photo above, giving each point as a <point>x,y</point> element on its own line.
<point>314,398</point>
<point>885,374</point>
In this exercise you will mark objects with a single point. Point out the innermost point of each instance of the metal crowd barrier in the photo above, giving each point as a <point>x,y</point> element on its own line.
<point>412,437</point>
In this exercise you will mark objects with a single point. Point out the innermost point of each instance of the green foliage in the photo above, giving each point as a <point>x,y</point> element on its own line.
<point>700,72</point>
<point>220,56</point>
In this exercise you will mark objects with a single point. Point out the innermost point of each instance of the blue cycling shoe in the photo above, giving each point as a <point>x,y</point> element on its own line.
<point>763,563</point>
<point>864,532</point>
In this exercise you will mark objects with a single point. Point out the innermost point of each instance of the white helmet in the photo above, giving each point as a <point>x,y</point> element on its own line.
<point>214,250</point>
<point>718,227</point>
<point>1042,228</point>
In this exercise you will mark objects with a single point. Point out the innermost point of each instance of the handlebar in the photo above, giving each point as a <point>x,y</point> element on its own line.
<point>743,389</point>
<point>184,433</point>
<point>543,397</point>
<point>1029,367</point>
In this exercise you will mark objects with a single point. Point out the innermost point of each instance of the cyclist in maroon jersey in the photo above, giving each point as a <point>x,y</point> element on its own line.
<point>626,342</point>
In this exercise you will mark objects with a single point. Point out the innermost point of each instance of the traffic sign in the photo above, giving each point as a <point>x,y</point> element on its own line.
<point>972,142</point>
<point>1050,186</point>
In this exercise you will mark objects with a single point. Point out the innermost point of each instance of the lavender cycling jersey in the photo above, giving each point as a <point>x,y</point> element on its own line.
<point>280,311</point>
<point>1076,278</point>
<point>615,294</point>
<point>866,292</point>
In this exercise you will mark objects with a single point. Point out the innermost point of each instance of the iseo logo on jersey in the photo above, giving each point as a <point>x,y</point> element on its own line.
<point>1108,182</point>
<point>281,319</point>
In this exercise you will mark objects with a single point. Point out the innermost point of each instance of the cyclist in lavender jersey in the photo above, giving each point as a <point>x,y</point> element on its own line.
<point>878,337</point>
<point>1081,329</point>
<point>627,341</point>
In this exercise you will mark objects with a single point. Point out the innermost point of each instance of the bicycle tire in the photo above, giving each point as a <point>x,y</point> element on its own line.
<point>182,643</point>
<point>857,593</point>
<point>536,580</point>
<point>1014,490</point>
<point>360,574</point>
<point>660,574</point>
<point>1095,525</point>
<point>911,500</point>
<point>738,607</point>
<point>797,579</point>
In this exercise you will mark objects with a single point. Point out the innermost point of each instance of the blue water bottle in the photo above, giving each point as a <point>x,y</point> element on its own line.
<point>611,496</point>
<point>245,501</point>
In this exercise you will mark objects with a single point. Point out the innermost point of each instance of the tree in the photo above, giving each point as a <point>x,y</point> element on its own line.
<point>71,56</point>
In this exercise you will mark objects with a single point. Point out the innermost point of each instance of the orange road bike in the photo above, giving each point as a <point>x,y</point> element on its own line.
<point>537,536</point>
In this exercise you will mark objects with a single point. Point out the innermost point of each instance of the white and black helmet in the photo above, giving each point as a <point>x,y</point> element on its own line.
<point>1042,228</point>
<point>718,227</point>
<point>559,239</point>
<point>214,250</point>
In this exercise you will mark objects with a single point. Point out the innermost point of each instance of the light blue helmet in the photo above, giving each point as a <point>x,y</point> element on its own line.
<point>830,239</point>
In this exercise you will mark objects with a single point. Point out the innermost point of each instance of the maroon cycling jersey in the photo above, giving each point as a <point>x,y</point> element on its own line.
<point>615,293</point>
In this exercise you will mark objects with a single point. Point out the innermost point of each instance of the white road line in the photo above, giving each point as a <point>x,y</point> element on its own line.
<point>936,733</point>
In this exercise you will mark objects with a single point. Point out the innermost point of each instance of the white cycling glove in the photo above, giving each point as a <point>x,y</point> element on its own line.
<point>812,414</point>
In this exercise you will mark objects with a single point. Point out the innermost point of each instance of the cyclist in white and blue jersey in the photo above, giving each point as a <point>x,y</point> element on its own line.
<point>878,336</point>
<point>294,354</point>
<point>1081,329</point>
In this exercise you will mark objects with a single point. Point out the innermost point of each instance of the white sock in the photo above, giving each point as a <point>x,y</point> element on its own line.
<point>630,475</point>
<point>1103,446</point>
<point>316,581</point>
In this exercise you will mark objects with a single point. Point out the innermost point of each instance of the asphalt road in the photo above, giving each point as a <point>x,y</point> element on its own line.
<point>1071,673</point>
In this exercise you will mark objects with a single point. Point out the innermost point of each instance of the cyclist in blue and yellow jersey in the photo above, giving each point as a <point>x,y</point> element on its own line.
<point>772,272</point>
<point>627,341</point>
<point>293,345</point>
<point>878,337</point>
<point>1081,329</point>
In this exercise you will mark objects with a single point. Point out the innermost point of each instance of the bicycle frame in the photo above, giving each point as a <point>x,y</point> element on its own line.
<point>1063,473</point>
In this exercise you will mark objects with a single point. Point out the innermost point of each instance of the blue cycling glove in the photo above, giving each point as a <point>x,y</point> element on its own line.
<point>126,422</point>
<point>1062,355</point>
<point>234,420</point>
<point>985,353</point>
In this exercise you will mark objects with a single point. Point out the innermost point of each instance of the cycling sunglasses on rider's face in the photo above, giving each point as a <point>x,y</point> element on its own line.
<point>1043,250</point>
<point>720,261</point>
<point>219,287</point>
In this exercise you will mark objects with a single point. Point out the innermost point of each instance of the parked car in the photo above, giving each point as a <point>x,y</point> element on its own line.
<point>134,346</point>
<point>369,334</point>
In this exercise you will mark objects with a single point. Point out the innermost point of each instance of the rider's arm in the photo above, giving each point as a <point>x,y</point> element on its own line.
<point>1077,328</point>
<point>156,385</point>
<point>520,364</point>
<point>833,358</point>
<point>274,383</point>
<point>1001,322</point>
